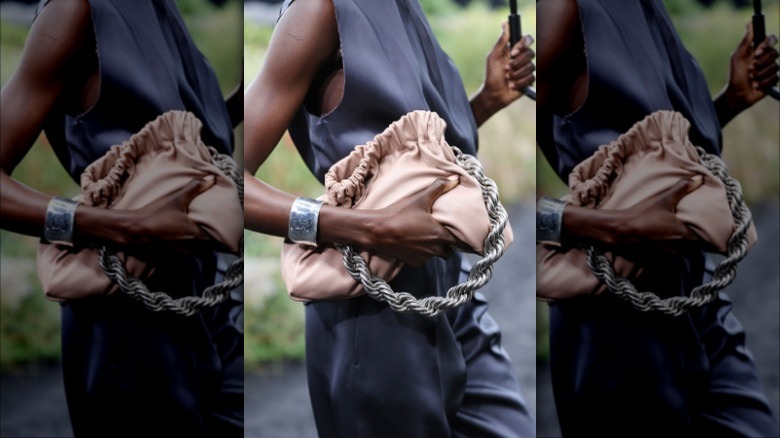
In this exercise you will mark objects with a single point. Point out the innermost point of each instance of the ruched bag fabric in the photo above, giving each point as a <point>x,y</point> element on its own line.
<point>159,160</point>
<point>398,163</point>
<point>648,159</point>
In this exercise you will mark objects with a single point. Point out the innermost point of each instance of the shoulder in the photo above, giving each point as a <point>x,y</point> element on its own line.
<point>307,30</point>
<point>60,30</point>
<point>312,12</point>
<point>561,18</point>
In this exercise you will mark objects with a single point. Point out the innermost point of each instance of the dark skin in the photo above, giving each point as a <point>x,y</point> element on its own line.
<point>59,69</point>
<point>306,41</point>
<point>562,88</point>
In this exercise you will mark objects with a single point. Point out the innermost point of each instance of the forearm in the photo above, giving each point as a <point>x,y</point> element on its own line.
<point>24,211</point>
<point>727,106</point>
<point>588,225</point>
<point>267,211</point>
<point>483,107</point>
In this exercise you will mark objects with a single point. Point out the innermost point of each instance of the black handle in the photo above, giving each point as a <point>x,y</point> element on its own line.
<point>514,29</point>
<point>759,35</point>
<point>515,33</point>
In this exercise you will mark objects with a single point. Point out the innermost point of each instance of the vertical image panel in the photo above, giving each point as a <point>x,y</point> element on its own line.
<point>323,357</point>
<point>121,288</point>
<point>657,125</point>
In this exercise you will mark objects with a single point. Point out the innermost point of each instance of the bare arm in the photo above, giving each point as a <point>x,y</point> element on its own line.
<point>751,71</point>
<point>61,32</point>
<point>507,73</point>
<point>304,39</point>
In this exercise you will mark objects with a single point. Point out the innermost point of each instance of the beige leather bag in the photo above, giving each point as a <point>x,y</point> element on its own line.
<point>648,159</point>
<point>159,160</point>
<point>400,162</point>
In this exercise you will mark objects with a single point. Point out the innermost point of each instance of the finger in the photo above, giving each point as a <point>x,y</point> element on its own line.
<point>438,188</point>
<point>520,73</point>
<point>522,83</point>
<point>195,188</point>
<point>746,45</point>
<point>521,59</point>
<point>767,76</point>
<point>682,188</point>
<point>524,44</point>
<point>765,55</point>
<point>765,46</point>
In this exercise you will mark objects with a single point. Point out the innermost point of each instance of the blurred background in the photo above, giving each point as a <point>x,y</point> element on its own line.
<point>711,30</point>
<point>277,402</point>
<point>32,401</point>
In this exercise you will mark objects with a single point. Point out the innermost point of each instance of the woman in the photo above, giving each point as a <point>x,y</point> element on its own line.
<point>336,74</point>
<point>616,371</point>
<point>92,74</point>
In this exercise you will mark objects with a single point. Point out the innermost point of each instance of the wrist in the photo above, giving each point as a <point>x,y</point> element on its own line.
<point>730,102</point>
<point>304,221</point>
<point>606,227</point>
<point>484,105</point>
<point>101,225</point>
<point>344,225</point>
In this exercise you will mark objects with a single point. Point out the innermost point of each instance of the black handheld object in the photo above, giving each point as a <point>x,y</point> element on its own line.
<point>759,35</point>
<point>514,24</point>
<point>515,33</point>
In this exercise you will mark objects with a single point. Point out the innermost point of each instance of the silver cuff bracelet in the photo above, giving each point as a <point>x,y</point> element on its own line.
<point>549,215</point>
<point>304,214</point>
<point>58,226</point>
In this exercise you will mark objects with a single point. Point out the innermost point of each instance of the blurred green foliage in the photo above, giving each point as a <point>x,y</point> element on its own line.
<point>29,328</point>
<point>273,329</point>
<point>29,331</point>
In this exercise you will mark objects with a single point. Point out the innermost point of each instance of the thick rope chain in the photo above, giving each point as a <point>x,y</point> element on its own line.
<point>378,289</point>
<point>724,273</point>
<point>187,306</point>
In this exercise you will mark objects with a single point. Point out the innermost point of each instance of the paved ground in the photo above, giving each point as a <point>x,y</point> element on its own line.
<point>32,403</point>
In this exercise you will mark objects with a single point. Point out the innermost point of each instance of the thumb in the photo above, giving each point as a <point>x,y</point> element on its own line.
<point>503,40</point>
<point>438,188</point>
<point>682,188</point>
<point>746,45</point>
<point>195,188</point>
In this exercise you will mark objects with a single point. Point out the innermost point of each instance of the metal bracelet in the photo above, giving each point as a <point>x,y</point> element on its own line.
<point>58,226</point>
<point>304,214</point>
<point>549,216</point>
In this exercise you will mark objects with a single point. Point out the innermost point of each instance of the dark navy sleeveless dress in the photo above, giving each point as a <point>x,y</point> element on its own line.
<point>129,371</point>
<point>374,372</point>
<point>615,371</point>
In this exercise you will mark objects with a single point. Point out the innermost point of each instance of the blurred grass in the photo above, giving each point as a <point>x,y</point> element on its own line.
<point>751,141</point>
<point>29,328</point>
<point>506,150</point>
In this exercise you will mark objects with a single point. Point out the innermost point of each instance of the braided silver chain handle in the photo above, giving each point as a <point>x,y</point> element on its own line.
<point>186,306</point>
<point>724,273</point>
<point>378,289</point>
